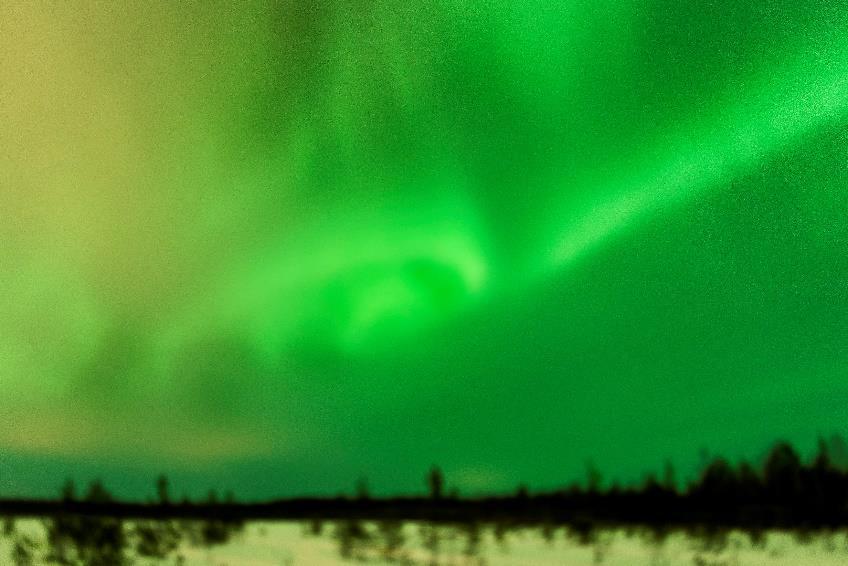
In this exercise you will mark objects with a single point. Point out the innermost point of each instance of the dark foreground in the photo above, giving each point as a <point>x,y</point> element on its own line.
<point>784,493</point>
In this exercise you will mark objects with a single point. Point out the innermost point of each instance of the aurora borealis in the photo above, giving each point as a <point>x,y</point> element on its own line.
<point>278,246</point>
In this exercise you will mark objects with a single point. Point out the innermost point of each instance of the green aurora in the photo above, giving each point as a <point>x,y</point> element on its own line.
<point>279,246</point>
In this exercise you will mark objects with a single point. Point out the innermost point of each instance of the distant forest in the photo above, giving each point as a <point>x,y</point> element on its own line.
<point>781,492</point>
<point>784,490</point>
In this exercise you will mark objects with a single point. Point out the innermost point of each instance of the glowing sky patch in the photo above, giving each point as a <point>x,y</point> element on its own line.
<point>468,233</point>
<point>777,111</point>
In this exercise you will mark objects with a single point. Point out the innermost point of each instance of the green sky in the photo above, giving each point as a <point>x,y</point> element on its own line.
<point>281,246</point>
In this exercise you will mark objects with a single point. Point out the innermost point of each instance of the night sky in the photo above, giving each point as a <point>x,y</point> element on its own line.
<point>279,247</point>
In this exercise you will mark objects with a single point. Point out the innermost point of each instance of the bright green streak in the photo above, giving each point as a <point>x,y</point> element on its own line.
<point>339,240</point>
<point>709,154</point>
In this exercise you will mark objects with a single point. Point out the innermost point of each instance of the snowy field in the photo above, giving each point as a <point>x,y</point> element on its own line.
<point>286,543</point>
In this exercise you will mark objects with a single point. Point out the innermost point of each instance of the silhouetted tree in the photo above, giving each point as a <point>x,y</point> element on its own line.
<point>782,473</point>
<point>749,484</point>
<point>69,490</point>
<point>669,481</point>
<point>822,458</point>
<point>651,486</point>
<point>522,492</point>
<point>89,540</point>
<point>214,530</point>
<point>838,450</point>
<point>718,482</point>
<point>162,491</point>
<point>436,482</point>
<point>362,491</point>
<point>97,493</point>
<point>593,478</point>
<point>825,488</point>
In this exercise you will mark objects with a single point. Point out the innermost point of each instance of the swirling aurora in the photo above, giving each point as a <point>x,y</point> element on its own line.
<point>329,240</point>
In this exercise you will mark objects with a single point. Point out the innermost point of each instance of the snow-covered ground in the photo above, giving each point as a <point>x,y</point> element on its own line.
<point>287,543</point>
